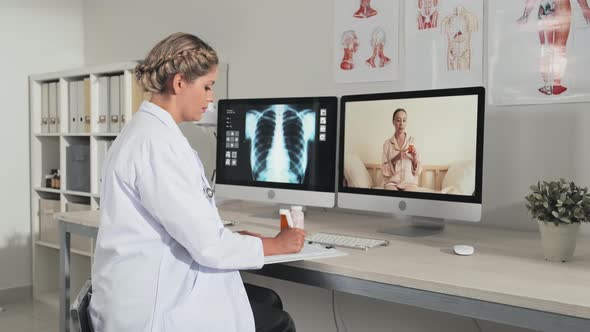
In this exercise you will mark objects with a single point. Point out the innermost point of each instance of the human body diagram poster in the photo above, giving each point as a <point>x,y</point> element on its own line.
<point>366,40</point>
<point>444,43</point>
<point>539,51</point>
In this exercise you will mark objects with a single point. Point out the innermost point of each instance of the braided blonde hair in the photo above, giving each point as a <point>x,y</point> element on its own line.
<point>178,53</point>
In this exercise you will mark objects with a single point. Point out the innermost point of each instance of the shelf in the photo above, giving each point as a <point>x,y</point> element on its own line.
<point>85,71</point>
<point>105,134</point>
<point>56,247</point>
<point>77,193</point>
<point>77,135</point>
<point>48,190</point>
<point>47,134</point>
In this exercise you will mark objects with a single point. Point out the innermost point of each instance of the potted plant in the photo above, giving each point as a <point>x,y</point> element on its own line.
<point>559,207</point>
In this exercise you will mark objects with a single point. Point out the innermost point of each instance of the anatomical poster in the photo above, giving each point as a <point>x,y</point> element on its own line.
<point>444,43</point>
<point>366,40</point>
<point>539,51</point>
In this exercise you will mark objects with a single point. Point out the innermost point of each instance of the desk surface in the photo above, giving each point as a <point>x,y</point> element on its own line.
<point>507,267</point>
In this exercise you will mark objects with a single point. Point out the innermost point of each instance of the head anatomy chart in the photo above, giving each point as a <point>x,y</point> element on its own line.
<point>280,136</point>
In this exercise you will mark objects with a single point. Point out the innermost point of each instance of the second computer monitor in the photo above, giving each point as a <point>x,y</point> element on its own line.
<point>279,150</point>
<point>418,153</point>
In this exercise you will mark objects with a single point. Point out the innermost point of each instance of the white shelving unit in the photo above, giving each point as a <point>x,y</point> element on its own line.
<point>49,150</point>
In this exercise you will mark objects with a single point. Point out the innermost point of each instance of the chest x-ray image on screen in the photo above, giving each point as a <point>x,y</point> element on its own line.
<point>280,137</point>
<point>279,150</point>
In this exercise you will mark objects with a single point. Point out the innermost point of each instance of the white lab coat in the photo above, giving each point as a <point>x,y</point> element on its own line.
<point>163,260</point>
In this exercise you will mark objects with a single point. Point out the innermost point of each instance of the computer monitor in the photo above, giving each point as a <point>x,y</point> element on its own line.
<point>417,153</point>
<point>279,150</point>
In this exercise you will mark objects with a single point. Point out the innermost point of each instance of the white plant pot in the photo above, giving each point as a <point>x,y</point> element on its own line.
<point>559,242</point>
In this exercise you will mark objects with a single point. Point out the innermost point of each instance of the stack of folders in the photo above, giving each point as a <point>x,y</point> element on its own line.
<point>111,104</point>
<point>50,105</point>
<point>112,98</point>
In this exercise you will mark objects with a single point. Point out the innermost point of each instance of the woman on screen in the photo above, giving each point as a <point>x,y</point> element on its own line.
<point>400,161</point>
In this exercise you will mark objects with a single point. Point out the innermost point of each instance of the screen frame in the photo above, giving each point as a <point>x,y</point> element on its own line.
<point>261,190</point>
<point>468,91</point>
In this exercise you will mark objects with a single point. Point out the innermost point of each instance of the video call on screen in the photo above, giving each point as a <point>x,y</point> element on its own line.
<point>435,152</point>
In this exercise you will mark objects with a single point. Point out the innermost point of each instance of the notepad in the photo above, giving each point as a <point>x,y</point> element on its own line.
<point>309,251</point>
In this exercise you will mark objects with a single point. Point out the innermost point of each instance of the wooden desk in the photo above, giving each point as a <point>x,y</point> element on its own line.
<point>506,280</point>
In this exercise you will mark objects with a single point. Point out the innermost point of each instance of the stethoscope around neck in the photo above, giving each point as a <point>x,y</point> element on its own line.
<point>207,191</point>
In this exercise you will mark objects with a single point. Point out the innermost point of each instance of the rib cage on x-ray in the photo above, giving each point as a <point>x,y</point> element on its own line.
<point>280,137</point>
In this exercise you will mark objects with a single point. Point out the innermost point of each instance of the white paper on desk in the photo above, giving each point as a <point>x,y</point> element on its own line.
<point>309,251</point>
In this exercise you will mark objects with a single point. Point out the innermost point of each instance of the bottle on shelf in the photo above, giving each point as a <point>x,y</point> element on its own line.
<point>48,180</point>
<point>53,178</point>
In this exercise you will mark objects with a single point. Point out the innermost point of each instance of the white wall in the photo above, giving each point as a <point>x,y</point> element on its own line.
<point>283,48</point>
<point>444,128</point>
<point>37,36</point>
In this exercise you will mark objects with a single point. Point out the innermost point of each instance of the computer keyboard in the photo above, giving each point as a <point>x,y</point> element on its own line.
<point>227,222</point>
<point>345,241</point>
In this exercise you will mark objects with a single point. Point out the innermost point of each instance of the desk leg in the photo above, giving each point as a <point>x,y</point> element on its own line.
<point>64,278</point>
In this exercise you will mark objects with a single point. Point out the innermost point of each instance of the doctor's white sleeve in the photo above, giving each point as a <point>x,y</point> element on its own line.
<point>171,189</point>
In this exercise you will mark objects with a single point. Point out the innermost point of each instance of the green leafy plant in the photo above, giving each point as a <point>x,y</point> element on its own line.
<point>559,202</point>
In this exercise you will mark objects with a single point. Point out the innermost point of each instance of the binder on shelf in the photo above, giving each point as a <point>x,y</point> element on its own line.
<point>72,107</point>
<point>137,95</point>
<point>58,108</point>
<point>53,107</point>
<point>81,103</point>
<point>78,167</point>
<point>87,105</point>
<point>44,107</point>
<point>103,104</point>
<point>122,100</point>
<point>114,125</point>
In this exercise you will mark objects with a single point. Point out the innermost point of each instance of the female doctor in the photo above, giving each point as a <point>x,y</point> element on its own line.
<point>163,260</point>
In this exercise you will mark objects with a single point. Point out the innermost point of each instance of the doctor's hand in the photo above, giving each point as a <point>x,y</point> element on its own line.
<point>288,241</point>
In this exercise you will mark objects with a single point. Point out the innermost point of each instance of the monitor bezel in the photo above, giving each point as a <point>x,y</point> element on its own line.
<point>475,199</point>
<point>331,103</point>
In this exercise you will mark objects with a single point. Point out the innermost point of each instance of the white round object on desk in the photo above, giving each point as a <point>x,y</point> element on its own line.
<point>463,249</point>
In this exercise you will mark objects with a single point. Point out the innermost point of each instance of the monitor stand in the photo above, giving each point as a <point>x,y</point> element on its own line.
<point>418,227</point>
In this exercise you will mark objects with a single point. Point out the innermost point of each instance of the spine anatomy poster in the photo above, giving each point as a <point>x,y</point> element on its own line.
<point>539,51</point>
<point>444,43</point>
<point>366,40</point>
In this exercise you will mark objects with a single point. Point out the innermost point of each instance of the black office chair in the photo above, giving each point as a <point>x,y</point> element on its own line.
<point>79,314</point>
